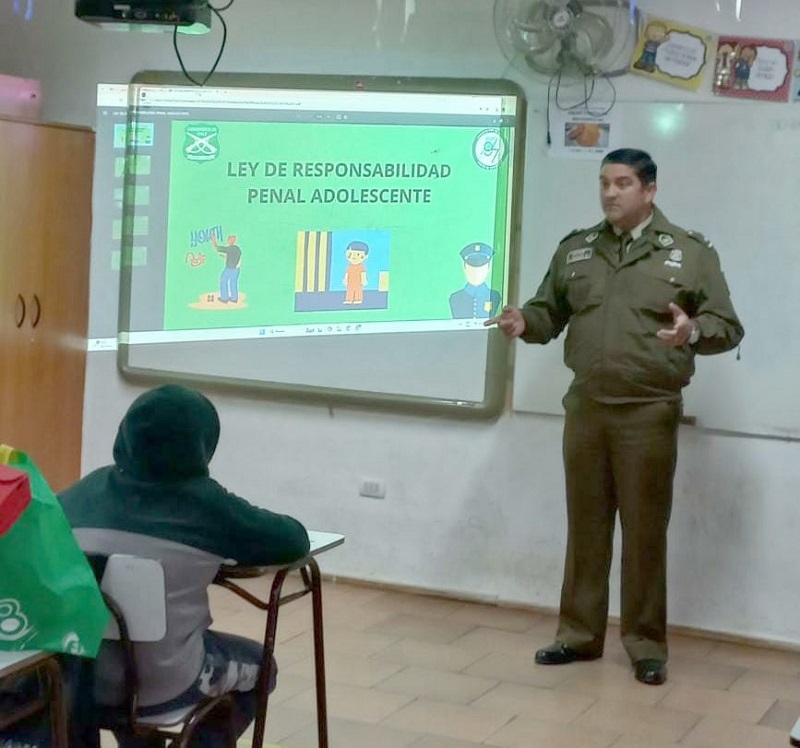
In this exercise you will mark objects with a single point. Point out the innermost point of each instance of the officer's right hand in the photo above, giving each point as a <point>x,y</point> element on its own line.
<point>510,322</point>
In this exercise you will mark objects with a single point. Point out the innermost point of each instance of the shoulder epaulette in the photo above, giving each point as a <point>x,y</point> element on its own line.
<point>570,235</point>
<point>699,237</point>
<point>592,229</point>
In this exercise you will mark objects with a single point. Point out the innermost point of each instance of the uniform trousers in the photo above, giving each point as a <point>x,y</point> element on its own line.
<point>617,458</point>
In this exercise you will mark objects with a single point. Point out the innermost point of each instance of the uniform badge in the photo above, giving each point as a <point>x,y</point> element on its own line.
<point>576,255</point>
<point>487,307</point>
<point>675,258</point>
<point>591,237</point>
<point>665,240</point>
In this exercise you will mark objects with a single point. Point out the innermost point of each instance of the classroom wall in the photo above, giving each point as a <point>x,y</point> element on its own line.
<point>471,509</point>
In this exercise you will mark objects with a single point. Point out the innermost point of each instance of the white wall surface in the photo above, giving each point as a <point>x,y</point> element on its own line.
<point>472,509</point>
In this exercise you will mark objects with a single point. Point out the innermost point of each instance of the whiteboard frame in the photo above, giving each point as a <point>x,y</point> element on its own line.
<point>498,354</point>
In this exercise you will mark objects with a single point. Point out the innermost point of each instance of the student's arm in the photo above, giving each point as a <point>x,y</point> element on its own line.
<point>254,536</point>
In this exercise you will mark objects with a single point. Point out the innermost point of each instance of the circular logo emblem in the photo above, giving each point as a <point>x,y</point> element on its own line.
<point>489,149</point>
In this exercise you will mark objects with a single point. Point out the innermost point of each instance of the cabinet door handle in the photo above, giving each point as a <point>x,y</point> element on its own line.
<point>19,311</point>
<point>37,314</point>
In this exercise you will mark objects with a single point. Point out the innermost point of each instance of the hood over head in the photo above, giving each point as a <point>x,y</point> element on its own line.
<point>168,434</point>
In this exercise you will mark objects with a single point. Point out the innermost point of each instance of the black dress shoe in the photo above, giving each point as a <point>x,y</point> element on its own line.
<point>560,654</point>
<point>652,672</point>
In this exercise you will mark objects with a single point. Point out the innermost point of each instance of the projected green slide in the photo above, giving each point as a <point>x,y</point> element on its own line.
<point>272,223</point>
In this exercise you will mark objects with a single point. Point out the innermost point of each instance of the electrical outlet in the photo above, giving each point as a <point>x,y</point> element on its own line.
<point>373,489</point>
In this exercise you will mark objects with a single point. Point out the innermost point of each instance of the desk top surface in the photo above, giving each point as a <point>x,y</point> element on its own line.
<point>319,542</point>
<point>323,541</point>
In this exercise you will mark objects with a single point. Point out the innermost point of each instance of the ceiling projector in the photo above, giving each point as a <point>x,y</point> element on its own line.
<point>189,16</point>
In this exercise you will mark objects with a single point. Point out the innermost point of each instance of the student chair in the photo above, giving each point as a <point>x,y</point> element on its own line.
<point>135,593</point>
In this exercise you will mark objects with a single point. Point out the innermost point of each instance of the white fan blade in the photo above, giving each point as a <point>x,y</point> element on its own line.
<point>593,36</point>
<point>530,29</point>
<point>546,61</point>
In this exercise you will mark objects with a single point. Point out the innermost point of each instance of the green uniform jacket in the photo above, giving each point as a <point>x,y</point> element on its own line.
<point>615,307</point>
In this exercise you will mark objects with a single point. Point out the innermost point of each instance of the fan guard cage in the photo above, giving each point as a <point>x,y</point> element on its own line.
<point>567,37</point>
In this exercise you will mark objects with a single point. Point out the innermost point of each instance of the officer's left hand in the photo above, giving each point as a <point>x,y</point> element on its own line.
<point>682,327</point>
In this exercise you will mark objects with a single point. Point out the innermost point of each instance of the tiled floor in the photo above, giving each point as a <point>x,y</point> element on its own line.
<point>425,672</point>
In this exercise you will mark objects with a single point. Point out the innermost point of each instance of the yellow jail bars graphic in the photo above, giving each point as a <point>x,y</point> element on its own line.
<point>313,261</point>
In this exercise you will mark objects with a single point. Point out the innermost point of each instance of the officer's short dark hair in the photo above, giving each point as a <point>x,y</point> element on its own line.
<point>640,161</point>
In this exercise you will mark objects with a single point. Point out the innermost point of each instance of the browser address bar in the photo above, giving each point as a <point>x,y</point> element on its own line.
<point>354,101</point>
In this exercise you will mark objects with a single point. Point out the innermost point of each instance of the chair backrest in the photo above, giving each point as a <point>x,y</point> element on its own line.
<point>134,589</point>
<point>137,587</point>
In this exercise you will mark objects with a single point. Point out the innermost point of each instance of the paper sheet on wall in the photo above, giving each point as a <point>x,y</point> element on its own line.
<point>751,68</point>
<point>672,52</point>
<point>584,135</point>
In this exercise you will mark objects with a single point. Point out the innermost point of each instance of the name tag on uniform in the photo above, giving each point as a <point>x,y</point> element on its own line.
<point>576,255</point>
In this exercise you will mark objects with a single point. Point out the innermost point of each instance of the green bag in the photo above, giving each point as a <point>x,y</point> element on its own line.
<point>49,598</point>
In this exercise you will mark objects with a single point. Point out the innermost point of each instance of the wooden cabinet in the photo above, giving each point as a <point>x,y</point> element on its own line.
<point>45,221</point>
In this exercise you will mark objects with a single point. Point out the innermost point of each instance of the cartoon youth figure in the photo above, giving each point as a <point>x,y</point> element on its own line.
<point>476,299</point>
<point>654,34</point>
<point>724,65</point>
<point>355,277</point>
<point>229,278</point>
<point>741,69</point>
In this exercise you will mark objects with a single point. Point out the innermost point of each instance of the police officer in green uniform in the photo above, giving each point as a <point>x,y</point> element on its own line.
<point>641,296</point>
